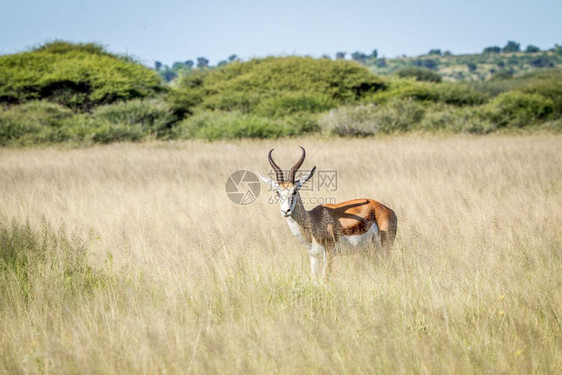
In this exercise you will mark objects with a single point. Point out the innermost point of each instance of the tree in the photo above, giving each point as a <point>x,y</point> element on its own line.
<point>375,54</point>
<point>492,49</point>
<point>157,65</point>
<point>435,52</point>
<point>420,74</point>
<point>340,55</point>
<point>233,58</point>
<point>222,63</point>
<point>426,63</point>
<point>178,65</point>
<point>502,74</point>
<point>359,56</point>
<point>511,46</point>
<point>542,62</point>
<point>189,64</point>
<point>78,76</point>
<point>447,53</point>
<point>532,49</point>
<point>326,56</point>
<point>381,63</point>
<point>471,67</point>
<point>202,63</point>
<point>513,60</point>
<point>168,74</point>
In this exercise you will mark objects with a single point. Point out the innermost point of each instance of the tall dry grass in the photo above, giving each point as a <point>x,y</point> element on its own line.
<point>473,283</point>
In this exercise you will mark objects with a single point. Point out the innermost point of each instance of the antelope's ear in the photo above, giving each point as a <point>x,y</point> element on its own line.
<point>268,181</point>
<point>303,179</point>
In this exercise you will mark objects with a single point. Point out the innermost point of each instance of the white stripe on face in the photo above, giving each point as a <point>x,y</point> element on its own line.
<point>287,200</point>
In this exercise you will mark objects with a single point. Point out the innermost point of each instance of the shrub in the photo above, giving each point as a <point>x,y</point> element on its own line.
<point>235,101</point>
<point>420,74</point>
<point>532,49</point>
<point>44,122</point>
<point>349,121</point>
<point>291,103</point>
<point>511,46</point>
<point>542,62</point>
<point>233,125</point>
<point>492,49</point>
<point>301,82</point>
<point>397,115</point>
<point>459,95</point>
<point>62,47</point>
<point>77,76</point>
<point>519,109</point>
<point>34,122</point>
<point>426,63</point>
<point>449,93</point>
<point>151,117</point>
<point>458,120</point>
<point>503,81</point>
<point>547,84</point>
<point>502,75</point>
<point>189,92</point>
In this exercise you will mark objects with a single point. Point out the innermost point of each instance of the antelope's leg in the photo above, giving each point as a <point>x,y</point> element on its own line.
<point>327,269</point>
<point>315,261</point>
<point>317,255</point>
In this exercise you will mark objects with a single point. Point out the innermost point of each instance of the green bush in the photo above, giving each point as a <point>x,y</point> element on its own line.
<point>448,93</point>
<point>519,109</point>
<point>397,115</point>
<point>42,122</point>
<point>290,103</point>
<point>547,84</point>
<point>34,123</point>
<point>130,121</point>
<point>234,101</point>
<point>233,125</point>
<point>188,92</point>
<point>149,117</point>
<point>349,121</point>
<point>447,118</point>
<point>297,83</point>
<point>420,74</point>
<point>76,76</point>
<point>62,47</point>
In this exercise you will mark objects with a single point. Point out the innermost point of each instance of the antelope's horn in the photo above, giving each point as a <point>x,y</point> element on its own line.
<point>296,167</point>
<point>278,171</point>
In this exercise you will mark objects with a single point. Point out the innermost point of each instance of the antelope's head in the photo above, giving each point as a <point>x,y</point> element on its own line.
<point>287,191</point>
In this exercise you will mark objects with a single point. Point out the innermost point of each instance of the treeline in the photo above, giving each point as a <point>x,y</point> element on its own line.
<point>81,94</point>
<point>494,59</point>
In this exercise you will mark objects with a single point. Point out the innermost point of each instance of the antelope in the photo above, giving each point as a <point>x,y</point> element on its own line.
<point>331,229</point>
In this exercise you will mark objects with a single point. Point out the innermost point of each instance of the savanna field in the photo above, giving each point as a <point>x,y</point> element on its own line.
<point>131,258</point>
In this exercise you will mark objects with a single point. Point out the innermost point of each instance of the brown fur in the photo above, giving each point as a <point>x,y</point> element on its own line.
<point>326,223</point>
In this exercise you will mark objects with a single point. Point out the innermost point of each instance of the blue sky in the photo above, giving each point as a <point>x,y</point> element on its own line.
<point>171,30</point>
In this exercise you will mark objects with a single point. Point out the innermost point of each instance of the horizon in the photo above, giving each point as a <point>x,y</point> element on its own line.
<point>179,31</point>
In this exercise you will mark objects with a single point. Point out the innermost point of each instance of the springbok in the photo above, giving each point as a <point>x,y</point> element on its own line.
<point>331,229</point>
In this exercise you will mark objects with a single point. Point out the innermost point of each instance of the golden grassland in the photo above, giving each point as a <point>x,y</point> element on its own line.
<point>178,279</point>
